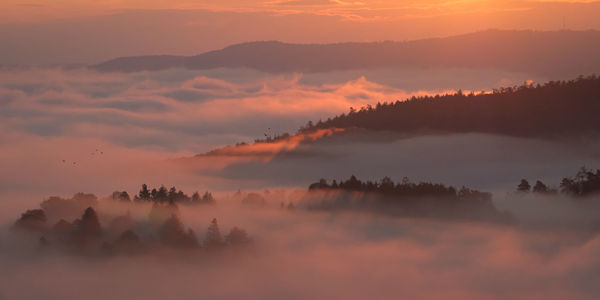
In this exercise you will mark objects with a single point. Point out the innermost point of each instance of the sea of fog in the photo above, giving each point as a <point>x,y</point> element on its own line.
<point>64,131</point>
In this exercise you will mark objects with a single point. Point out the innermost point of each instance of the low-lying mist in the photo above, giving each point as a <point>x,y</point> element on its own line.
<point>299,254</point>
<point>70,131</point>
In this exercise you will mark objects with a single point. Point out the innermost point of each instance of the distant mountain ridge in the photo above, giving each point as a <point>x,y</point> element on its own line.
<point>550,53</point>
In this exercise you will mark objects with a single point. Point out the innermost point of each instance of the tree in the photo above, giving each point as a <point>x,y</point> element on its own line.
<point>32,220</point>
<point>161,195</point>
<point>172,233</point>
<point>195,198</point>
<point>172,195</point>
<point>386,185</point>
<point>213,239</point>
<point>208,198</point>
<point>540,188</point>
<point>524,186</point>
<point>121,196</point>
<point>584,183</point>
<point>236,236</point>
<point>144,194</point>
<point>89,225</point>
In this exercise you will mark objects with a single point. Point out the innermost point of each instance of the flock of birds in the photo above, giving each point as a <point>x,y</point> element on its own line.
<point>75,163</point>
<point>99,152</point>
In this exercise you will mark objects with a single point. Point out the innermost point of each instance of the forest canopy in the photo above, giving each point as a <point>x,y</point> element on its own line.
<point>403,199</point>
<point>553,109</point>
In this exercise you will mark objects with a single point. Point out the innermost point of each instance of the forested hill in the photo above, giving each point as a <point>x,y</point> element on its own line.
<point>555,108</point>
<point>557,54</point>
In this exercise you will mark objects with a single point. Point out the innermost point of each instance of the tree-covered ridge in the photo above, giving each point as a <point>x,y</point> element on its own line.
<point>405,188</point>
<point>554,108</point>
<point>162,195</point>
<point>405,199</point>
<point>584,183</point>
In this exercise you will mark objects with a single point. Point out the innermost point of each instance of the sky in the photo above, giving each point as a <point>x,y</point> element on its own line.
<point>84,32</point>
<point>361,11</point>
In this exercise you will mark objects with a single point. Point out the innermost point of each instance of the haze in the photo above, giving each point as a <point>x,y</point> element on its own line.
<point>310,149</point>
<point>85,32</point>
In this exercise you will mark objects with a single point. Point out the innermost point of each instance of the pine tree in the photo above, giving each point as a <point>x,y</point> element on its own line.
<point>144,194</point>
<point>524,186</point>
<point>89,225</point>
<point>213,239</point>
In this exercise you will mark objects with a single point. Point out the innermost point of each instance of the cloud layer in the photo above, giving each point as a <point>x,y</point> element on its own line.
<point>64,131</point>
<point>302,255</point>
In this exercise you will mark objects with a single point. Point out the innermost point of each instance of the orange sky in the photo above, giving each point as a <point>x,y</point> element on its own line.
<point>17,11</point>
<point>90,31</point>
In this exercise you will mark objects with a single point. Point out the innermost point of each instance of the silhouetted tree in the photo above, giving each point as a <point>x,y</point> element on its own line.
<point>89,224</point>
<point>540,188</point>
<point>121,196</point>
<point>524,186</point>
<point>195,198</point>
<point>172,233</point>
<point>161,195</point>
<point>172,194</point>
<point>144,194</point>
<point>584,183</point>
<point>32,220</point>
<point>213,239</point>
<point>254,199</point>
<point>208,198</point>
<point>236,236</point>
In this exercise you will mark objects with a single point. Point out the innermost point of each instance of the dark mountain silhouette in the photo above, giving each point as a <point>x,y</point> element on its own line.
<point>550,53</point>
<point>557,108</point>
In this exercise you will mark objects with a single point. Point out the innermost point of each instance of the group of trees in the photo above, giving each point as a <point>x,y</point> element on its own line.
<point>405,188</point>
<point>162,195</point>
<point>85,235</point>
<point>584,183</point>
<point>405,198</point>
<point>538,188</point>
<point>554,108</point>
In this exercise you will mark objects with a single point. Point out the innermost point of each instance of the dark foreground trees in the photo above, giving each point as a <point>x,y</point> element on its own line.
<point>101,234</point>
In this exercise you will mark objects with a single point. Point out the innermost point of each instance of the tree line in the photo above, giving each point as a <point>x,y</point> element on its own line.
<point>405,188</point>
<point>554,108</point>
<point>121,234</point>
<point>584,183</point>
<point>404,199</point>
<point>162,195</point>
